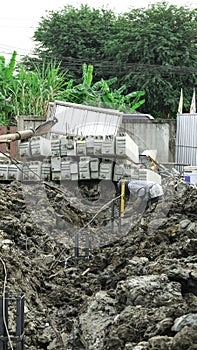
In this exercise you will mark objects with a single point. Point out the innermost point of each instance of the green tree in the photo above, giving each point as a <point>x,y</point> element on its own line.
<point>151,49</point>
<point>75,36</point>
<point>160,54</point>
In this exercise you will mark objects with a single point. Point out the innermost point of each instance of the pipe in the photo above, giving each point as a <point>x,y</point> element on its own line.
<point>24,134</point>
<point>19,135</point>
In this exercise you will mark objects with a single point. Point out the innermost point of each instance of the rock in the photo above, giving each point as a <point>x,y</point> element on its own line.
<point>186,338</point>
<point>189,320</point>
<point>140,346</point>
<point>52,345</point>
<point>6,242</point>
<point>192,227</point>
<point>146,290</point>
<point>160,343</point>
<point>99,314</point>
<point>183,224</point>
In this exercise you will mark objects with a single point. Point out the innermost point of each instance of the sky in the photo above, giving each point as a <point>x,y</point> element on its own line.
<point>19,18</point>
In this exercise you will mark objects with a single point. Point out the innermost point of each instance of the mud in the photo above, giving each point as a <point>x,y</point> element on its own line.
<point>137,288</point>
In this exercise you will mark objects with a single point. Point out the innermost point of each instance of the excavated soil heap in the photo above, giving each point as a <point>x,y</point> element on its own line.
<point>138,288</point>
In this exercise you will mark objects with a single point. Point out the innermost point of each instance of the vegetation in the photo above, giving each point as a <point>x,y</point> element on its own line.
<point>146,52</point>
<point>151,49</point>
<point>33,90</point>
<point>6,80</point>
<point>74,37</point>
<point>26,92</point>
<point>101,94</point>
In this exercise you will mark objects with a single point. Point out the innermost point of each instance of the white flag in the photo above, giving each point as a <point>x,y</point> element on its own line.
<point>193,103</point>
<point>180,107</point>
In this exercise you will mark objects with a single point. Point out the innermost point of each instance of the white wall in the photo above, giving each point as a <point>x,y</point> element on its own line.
<point>154,134</point>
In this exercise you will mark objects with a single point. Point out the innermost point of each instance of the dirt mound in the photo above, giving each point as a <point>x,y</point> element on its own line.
<point>137,290</point>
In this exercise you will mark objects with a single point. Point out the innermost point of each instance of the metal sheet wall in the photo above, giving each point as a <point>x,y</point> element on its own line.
<point>186,139</point>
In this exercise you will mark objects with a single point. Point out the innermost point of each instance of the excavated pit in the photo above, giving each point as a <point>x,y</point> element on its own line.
<point>136,290</point>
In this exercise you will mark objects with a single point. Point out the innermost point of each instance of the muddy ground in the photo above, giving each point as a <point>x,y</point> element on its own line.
<point>137,288</point>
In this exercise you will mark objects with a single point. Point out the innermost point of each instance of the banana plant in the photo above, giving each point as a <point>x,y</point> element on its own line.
<point>81,93</point>
<point>102,93</point>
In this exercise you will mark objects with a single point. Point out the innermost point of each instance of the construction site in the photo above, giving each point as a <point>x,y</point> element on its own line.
<point>98,232</point>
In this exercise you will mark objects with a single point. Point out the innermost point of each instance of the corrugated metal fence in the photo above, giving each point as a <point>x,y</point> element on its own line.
<point>186,139</point>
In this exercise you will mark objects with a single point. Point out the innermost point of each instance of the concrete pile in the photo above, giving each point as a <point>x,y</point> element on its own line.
<point>137,290</point>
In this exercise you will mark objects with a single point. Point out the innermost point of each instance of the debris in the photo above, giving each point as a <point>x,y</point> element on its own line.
<point>134,291</point>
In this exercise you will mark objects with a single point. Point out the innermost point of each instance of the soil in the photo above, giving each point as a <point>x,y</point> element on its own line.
<point>129,284</point>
